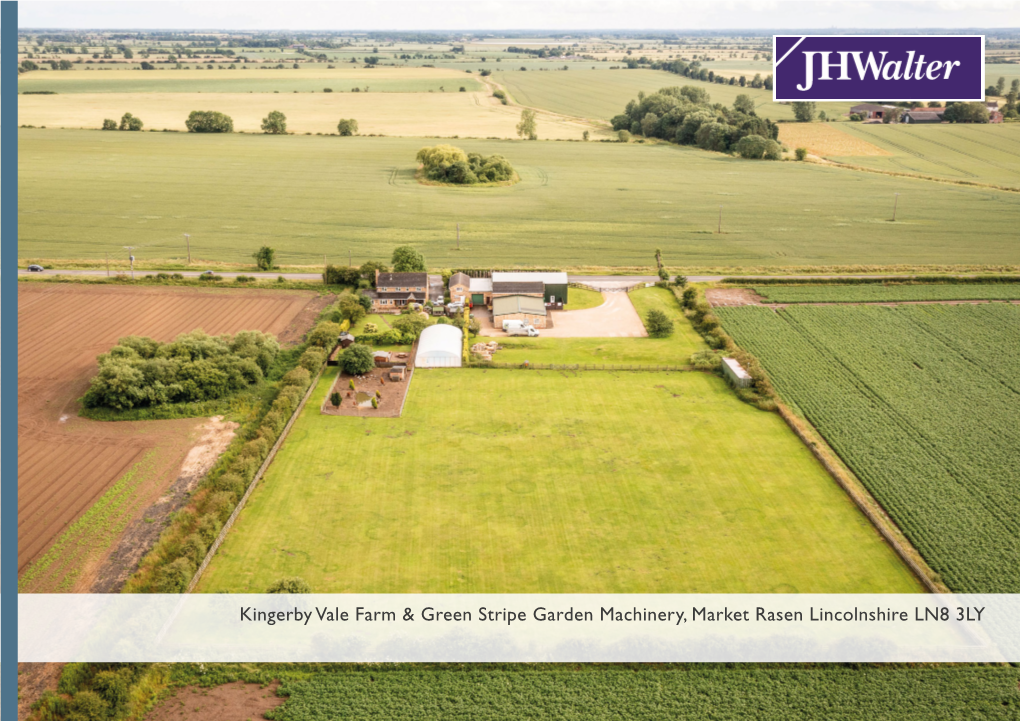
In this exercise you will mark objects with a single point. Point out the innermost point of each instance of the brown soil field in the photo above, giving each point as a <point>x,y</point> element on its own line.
<point>220,703</point>
<point>65,462</point>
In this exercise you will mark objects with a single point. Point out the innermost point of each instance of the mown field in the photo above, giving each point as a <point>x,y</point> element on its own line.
<point>867,293</point>
<point>531,481</point>
<point>974,153</point>
<point>83,194</point>
<point>674,350</point>
<point>922,403</point>
<point>602,94</point>
<point>244,79</point>
<point>653,692</point>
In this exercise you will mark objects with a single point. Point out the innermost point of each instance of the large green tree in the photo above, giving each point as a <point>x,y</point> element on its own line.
<point>275,123</point>
<point>527,128</point>
<point>406,259</point>
<point>804,112</point>
<point>209,121</point>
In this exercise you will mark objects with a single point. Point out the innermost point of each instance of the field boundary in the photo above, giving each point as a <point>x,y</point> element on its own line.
<point>586,367</point>
<point>864,501</point>
<point>826,162</point>
<point>254,482</point>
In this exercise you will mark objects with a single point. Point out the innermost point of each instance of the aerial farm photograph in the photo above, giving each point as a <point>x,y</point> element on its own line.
<point>523,298</point>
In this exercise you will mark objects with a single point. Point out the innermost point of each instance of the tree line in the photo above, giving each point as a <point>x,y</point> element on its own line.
<point>686,115</point>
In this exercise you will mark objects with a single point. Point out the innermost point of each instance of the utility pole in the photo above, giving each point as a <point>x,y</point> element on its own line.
<point>896,200</point>
<point>350,262</point>
<point>107,265</point>
<point>719,230</point>
<point>131,257</point>
<point>458,236</point>
<point>187,239</point>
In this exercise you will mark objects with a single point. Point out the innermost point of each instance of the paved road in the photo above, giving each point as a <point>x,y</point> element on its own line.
<point>606,282</point>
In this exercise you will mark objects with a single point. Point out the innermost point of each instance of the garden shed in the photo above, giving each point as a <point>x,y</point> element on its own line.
<point>735,373</point>
<point>440,346</point>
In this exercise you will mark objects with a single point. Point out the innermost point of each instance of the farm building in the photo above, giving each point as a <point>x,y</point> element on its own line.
<point>440,346</point>
<point>393,291</point>
<point>528,308</point>
<point>735,373</point>
<point>921,116</point>
<point>464,289</point>
<point>555,284</point>
<point>871,111</point>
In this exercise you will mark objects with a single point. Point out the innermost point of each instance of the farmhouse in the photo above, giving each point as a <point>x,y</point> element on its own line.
<point>529,308</point>
<point>393,291</point>
<point>440,346</point>
<point>871,111</point>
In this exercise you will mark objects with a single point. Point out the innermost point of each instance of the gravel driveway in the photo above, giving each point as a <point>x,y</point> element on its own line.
<point>615,318</point>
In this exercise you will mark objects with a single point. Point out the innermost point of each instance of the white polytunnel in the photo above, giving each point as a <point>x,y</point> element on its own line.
<point>440,346</point>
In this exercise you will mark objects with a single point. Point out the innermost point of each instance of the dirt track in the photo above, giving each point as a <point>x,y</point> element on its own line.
<point>65,463</point>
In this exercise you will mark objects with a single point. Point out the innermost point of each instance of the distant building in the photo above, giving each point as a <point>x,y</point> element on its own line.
<point>555,284</point>
<point>871,111</point>
<point>921,116</point>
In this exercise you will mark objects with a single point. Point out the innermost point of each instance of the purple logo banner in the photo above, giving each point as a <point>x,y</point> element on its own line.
<point>878,67</point>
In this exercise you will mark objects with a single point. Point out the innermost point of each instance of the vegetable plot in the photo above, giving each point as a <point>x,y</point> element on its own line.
<point>923,403</point>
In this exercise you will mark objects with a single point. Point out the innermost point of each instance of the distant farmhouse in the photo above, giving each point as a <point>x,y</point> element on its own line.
<point>874,112</point>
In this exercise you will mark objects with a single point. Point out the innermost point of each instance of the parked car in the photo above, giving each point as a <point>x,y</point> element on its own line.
<point>35,268</point>
<point>207,272</point>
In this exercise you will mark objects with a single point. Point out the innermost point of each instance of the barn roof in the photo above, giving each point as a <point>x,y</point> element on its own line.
<point>506,287</point>
<point>509,304</point>
<point>551,278</point>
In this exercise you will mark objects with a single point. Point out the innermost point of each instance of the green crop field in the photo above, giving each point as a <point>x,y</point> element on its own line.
<point>83,194</point>
<point>648,691</point>
<point>973,153</point>
<point>674,350</point>
<point>602,94</point>
<point>877,293</point>
<point>922,403</point>
<point>539,481</point>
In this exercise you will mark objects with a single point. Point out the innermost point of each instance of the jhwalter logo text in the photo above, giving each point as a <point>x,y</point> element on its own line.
<point>887,67</point>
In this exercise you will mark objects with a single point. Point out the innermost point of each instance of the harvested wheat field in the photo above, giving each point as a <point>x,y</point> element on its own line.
<point>826,140</point>
<point>68,465</point>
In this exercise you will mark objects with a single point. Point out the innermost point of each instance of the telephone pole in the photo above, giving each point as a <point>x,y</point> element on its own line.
<point>187,239</point>
<point>458,236</point>
<point>131,257</point>
<point>896,200</point>
<point>719,230</point>
<point>107,265</point>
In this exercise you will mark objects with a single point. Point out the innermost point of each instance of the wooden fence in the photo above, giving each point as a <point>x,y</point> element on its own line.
<point>584,367</point>
<point>254,482</point>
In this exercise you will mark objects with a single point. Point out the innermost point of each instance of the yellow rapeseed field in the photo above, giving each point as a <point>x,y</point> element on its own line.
<point>826,139</point>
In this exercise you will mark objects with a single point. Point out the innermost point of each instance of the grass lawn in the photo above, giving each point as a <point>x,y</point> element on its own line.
<point>675,350</point>
<point>577,204</point>
<point>530,481</point>
<point>581,298</point>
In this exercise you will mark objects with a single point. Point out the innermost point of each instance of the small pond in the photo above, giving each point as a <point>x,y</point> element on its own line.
<point>363,400</point>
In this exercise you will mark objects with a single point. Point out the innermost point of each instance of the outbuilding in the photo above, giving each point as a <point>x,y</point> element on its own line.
<point>528,308</point>
<point>440,346</point>
<point>735,373</point>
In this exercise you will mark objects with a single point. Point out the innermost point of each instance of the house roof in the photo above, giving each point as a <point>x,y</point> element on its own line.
<point>459,279</point>
<point>870,106</point>
<point>509,304</point>
<point>481,285</point>
<point>517,287</point>
<point>553,278</point>
<point>401,280</point>
<point>398,294</point>
<point>736,368</point>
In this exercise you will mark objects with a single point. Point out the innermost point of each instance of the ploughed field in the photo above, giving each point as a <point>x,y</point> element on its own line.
<point>553,482</point>
<point>608,204</point>
<point>66,463</point>
<point>922,402</point>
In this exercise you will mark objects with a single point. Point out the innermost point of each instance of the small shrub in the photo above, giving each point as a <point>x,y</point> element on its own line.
<point>109,124</point>
<point>290,584</point>
<point>375,402</point>
<point>209,527</point>
<point>705,360</point>
<point>88,706</point>
<point>311,360</point>
<point>801,153</point>
<point>623,136</point>
<point>174,577</point>
<point>299,378</point>
<point>194,549</point>
<point>658,324</point>
<point>335,399</point>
